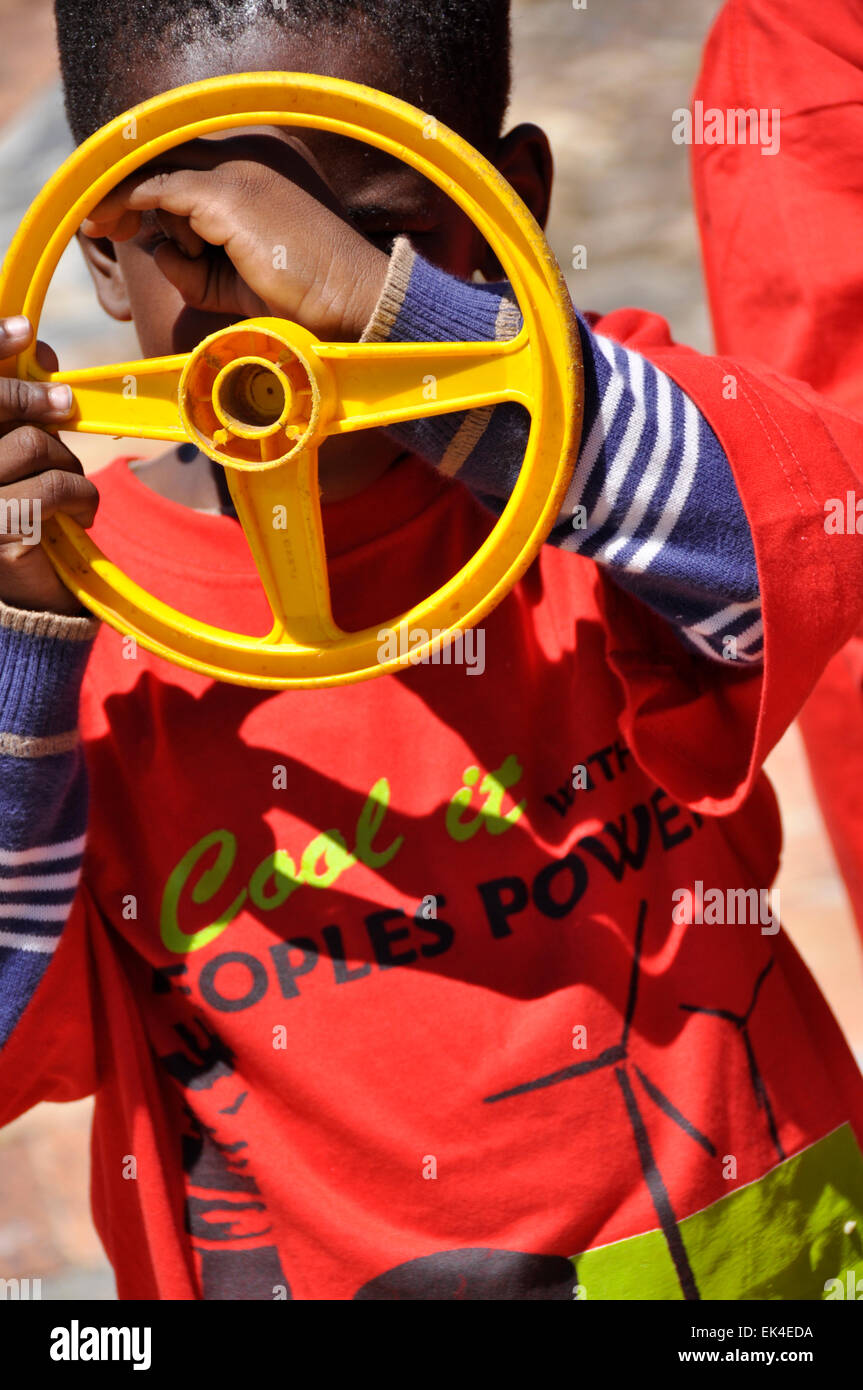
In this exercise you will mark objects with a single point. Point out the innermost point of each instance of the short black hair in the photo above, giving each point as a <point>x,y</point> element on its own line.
<point>454,52</point>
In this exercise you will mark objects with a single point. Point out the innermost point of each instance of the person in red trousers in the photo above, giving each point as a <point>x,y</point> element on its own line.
<point>781,236</point>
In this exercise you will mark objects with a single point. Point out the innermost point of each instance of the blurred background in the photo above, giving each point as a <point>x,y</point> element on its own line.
<point>603,81</point>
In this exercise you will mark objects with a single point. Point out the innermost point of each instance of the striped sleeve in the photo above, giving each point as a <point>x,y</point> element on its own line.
<point>653,499</point>
<point>43,794</point>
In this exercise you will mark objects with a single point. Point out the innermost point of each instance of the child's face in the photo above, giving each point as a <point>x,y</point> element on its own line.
<point>383,196</point>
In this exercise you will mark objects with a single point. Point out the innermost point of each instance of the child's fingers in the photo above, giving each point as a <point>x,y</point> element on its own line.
<point>121,225</point>
<point>193,194</point>
<point>46,357</point>
<point>55,493</point>
<point>191,277</point>
<point>37,468</point>
<point>43,402</point>
<point>203,178</point>
<point>179,231</point>
<point>28,452</point>
<point>208,282</point>
<point>34,400</point>
<point>15,333</point>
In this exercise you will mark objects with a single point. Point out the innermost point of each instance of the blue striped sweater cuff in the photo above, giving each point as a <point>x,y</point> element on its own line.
<point>422,304</point>
<point>42,661</point>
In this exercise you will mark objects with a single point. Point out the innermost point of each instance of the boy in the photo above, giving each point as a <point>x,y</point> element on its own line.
<point>431,987</point>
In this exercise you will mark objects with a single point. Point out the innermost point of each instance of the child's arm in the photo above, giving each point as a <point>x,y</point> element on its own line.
<point>45,641</point>
<point>43,794</point>
<point>653,499</point>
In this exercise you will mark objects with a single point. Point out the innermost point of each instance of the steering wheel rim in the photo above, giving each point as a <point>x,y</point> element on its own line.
<point>541,368</point>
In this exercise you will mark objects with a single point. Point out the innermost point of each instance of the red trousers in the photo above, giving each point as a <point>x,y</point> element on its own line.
<point>782,240</point>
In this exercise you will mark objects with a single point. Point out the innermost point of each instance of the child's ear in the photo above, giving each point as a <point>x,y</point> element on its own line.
<point>101,261</point>
<point>524,158</point>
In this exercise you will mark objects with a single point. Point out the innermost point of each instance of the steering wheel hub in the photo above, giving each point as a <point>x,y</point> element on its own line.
<point>250,396</point>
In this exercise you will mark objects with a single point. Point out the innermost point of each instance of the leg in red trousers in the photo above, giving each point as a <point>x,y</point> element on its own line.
<point>782,241</point>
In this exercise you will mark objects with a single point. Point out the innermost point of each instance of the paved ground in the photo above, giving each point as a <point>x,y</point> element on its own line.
<point>604,82</point>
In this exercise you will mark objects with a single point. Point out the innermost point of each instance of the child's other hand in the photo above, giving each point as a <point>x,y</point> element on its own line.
<point>251,228</point>
<point>38,478</point>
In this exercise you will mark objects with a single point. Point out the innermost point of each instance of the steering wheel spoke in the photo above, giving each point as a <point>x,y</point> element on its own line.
<point>381,384</point>
<point>280,513</point>
<point>133,399</point>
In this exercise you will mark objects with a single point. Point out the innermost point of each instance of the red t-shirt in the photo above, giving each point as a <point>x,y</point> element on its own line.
<point>439,1033</point>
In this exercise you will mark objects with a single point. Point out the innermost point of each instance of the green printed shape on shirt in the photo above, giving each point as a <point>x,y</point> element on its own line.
<point>784,1236</point>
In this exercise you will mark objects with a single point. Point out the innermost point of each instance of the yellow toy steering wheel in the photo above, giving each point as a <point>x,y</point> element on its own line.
<point>260,397</point>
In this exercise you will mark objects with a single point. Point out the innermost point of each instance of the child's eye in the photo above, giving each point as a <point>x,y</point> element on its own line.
<point>383,225</point>
<point>377,229</point>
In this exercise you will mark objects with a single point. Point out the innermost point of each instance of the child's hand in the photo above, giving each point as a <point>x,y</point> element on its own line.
<point>282,244</point>
<point>38,477</point>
